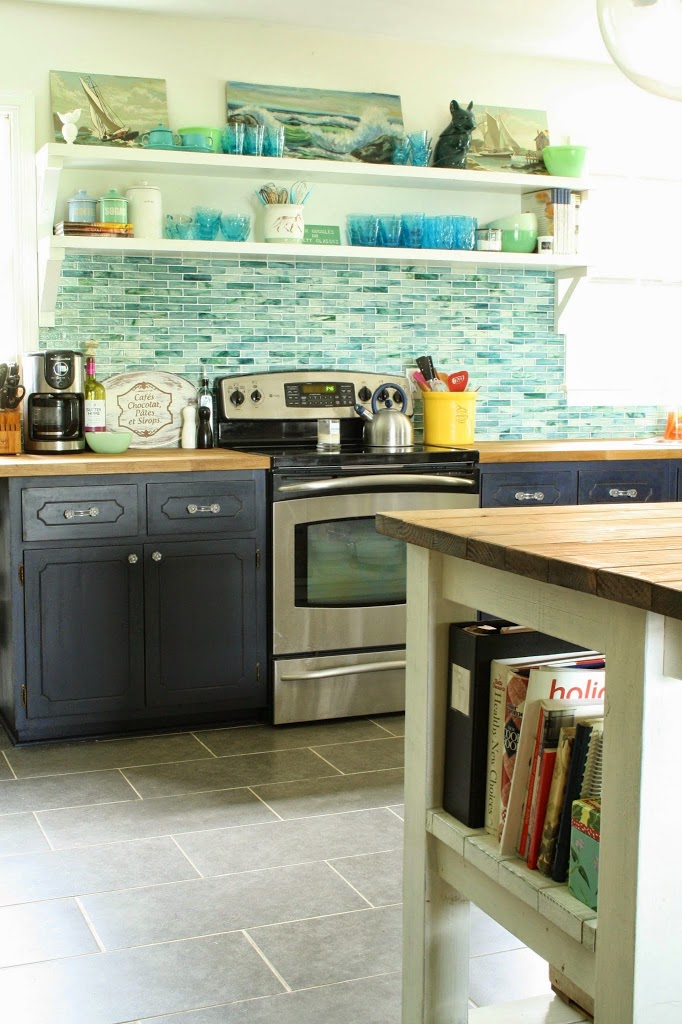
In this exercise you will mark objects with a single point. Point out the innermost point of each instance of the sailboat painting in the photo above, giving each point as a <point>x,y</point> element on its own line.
<point>508,139</point>
<point>115,109</point>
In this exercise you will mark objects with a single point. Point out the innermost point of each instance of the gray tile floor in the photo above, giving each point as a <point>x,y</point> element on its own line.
<point>245,875</point>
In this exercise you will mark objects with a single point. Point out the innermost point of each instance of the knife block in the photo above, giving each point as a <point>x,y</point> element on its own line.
<point>10,432</point>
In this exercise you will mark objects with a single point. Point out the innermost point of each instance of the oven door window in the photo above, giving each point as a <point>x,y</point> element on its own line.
<point>345,563</point>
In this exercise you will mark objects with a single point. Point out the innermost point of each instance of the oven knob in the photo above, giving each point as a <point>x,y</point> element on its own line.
<point>256,396</point>
<point>236,398</point>
<point>364,394</point>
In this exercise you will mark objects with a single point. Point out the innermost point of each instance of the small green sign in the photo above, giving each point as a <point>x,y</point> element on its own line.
<point>322,234</point>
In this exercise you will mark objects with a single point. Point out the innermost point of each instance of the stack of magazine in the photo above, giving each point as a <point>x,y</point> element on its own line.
<point>558,213</point>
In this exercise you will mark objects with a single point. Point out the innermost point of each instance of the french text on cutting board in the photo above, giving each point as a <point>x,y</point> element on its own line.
<point>145,409</point>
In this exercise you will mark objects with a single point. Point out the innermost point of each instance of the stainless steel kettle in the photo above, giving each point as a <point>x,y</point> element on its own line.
<point>387,427</point>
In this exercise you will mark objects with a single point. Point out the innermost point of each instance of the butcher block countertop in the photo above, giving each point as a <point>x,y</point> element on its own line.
<point>137,460</point>
<point>568,451</point>
<point>630,554</point>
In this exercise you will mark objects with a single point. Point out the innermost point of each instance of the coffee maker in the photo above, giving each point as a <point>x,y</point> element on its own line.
<point>55,407</point>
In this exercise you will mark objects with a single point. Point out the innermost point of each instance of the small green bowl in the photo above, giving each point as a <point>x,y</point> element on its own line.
<point>566,161</point>
<point>108,442</point>
<point>519,232</point>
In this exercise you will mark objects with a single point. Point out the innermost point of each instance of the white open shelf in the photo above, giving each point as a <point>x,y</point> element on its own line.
<point>54,158</point>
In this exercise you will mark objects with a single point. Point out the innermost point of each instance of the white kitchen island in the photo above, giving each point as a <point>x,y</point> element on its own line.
<point>609,578</point>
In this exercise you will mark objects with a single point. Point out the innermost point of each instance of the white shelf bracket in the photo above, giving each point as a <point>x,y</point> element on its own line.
<point>565,283</point>
<point>50,258</point>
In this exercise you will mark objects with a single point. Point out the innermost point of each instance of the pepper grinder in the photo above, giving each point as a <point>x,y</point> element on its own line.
<point>204,433</point>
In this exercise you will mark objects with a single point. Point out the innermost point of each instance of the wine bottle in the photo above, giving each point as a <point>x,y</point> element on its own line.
<point>95,399</point>
<point>205,399</point>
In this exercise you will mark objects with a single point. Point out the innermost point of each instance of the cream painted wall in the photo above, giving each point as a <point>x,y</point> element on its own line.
<point>591,104</point>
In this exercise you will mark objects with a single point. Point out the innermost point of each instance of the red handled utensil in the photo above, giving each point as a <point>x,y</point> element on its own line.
<point>458,381</point>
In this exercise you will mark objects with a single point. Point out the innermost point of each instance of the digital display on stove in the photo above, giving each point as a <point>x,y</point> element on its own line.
<point>319,389</point>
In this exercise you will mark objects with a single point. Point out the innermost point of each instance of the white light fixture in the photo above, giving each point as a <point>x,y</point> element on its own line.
<point>644,38</point>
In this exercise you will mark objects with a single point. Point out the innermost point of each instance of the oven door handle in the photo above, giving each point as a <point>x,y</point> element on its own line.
<point>383,482</point>
<point>344,670</point>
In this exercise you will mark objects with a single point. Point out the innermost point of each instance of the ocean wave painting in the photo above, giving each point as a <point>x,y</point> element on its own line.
<point>322,124</point>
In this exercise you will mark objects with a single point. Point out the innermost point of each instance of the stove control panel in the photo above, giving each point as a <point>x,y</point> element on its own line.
<point>307,394</point>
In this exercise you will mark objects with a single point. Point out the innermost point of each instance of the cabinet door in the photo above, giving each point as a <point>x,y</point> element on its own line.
<point>202,625</point>
<point>84,631</point>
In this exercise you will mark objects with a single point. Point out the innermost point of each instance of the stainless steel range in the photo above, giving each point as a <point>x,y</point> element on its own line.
<point>338,587</point>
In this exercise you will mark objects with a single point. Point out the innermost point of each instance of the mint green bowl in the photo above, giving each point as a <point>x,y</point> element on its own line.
<point>519,232</point>
<point>566,161</point>
<point>108,442</point>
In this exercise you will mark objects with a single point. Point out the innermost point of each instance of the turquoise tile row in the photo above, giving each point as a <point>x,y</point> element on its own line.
<point>216,316</point>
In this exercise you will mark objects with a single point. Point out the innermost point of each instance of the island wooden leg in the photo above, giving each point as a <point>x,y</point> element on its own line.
<point>436,919</point>
<point>639,977</point>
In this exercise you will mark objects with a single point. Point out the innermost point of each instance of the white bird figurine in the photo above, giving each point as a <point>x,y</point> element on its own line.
<point>69,128</point>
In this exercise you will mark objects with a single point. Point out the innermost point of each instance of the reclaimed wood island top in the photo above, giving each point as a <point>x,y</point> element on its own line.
<point>631,554</point>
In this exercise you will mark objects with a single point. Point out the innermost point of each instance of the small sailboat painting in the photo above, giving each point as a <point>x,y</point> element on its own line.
<point>115,109</point>
<point>508,139</point>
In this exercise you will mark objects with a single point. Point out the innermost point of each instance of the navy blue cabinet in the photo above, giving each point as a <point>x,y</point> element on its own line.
<point>130,602</point>
<point>530,484</point>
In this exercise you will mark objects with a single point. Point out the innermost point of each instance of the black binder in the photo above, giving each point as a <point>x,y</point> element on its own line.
<point>473,646</point>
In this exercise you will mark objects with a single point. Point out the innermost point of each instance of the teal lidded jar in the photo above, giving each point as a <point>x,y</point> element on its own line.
<point>112,208</point>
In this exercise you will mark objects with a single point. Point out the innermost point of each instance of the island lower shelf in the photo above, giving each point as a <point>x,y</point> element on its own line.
<point>540,911</point>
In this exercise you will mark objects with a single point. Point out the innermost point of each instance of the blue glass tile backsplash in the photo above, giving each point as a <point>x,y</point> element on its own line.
<point>210,317</point>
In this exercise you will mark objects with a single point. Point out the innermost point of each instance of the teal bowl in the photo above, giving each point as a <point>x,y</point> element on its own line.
<point>108,442</point>
<point>566,161</point>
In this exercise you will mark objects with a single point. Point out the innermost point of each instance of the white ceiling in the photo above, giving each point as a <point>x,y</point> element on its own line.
<point>551,28</point>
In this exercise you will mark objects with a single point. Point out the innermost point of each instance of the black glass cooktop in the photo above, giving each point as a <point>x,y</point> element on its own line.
<point>354,454</point>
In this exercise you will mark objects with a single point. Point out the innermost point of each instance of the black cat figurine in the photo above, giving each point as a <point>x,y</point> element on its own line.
<point>454,141</point>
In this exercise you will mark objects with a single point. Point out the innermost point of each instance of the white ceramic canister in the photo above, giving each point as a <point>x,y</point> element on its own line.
<point>283,222</point>
<point>144,210</point>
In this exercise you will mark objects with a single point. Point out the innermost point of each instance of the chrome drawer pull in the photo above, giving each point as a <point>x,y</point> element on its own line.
<point>156,556</point>
<point>614,492</point>
<point>132,559</point>
<point>530,496</point>
<point>71,513</point>
<point>215,508</point>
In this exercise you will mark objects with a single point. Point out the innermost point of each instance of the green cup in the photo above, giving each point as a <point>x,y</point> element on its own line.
<point>212,133</point>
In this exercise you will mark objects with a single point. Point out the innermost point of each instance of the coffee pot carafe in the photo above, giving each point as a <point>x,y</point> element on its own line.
<point>387,427</point>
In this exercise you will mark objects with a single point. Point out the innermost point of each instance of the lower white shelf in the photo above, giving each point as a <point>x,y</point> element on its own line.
<point>551,901</point>
<point>52,250</point>
<point>538,1010</point>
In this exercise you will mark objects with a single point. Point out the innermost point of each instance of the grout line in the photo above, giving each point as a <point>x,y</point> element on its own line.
<point>4,754</point>
<point>287,987</point>
<point>112,768</point>
<point>389,807</point>
<point>204,745</point>
<point>317,754</point>
<point>265,804</point>
<point>380,725</point>
<point>349,884</point>
<point>187,858</point>
<point>40,826</point>
<point>139,795</point>
<point>77,901</point>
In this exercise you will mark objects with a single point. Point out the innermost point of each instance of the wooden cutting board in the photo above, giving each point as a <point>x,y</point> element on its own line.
<point>149,403</point>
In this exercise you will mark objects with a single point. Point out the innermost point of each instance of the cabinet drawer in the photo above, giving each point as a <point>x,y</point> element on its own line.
<point>200,507</point>
<point>609,486</point>
<point>528,490</point>
<point>52,513</point>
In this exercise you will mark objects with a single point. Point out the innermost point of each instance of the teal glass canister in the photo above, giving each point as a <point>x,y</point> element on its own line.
<point>112,208</point>
<point>82,208</point>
